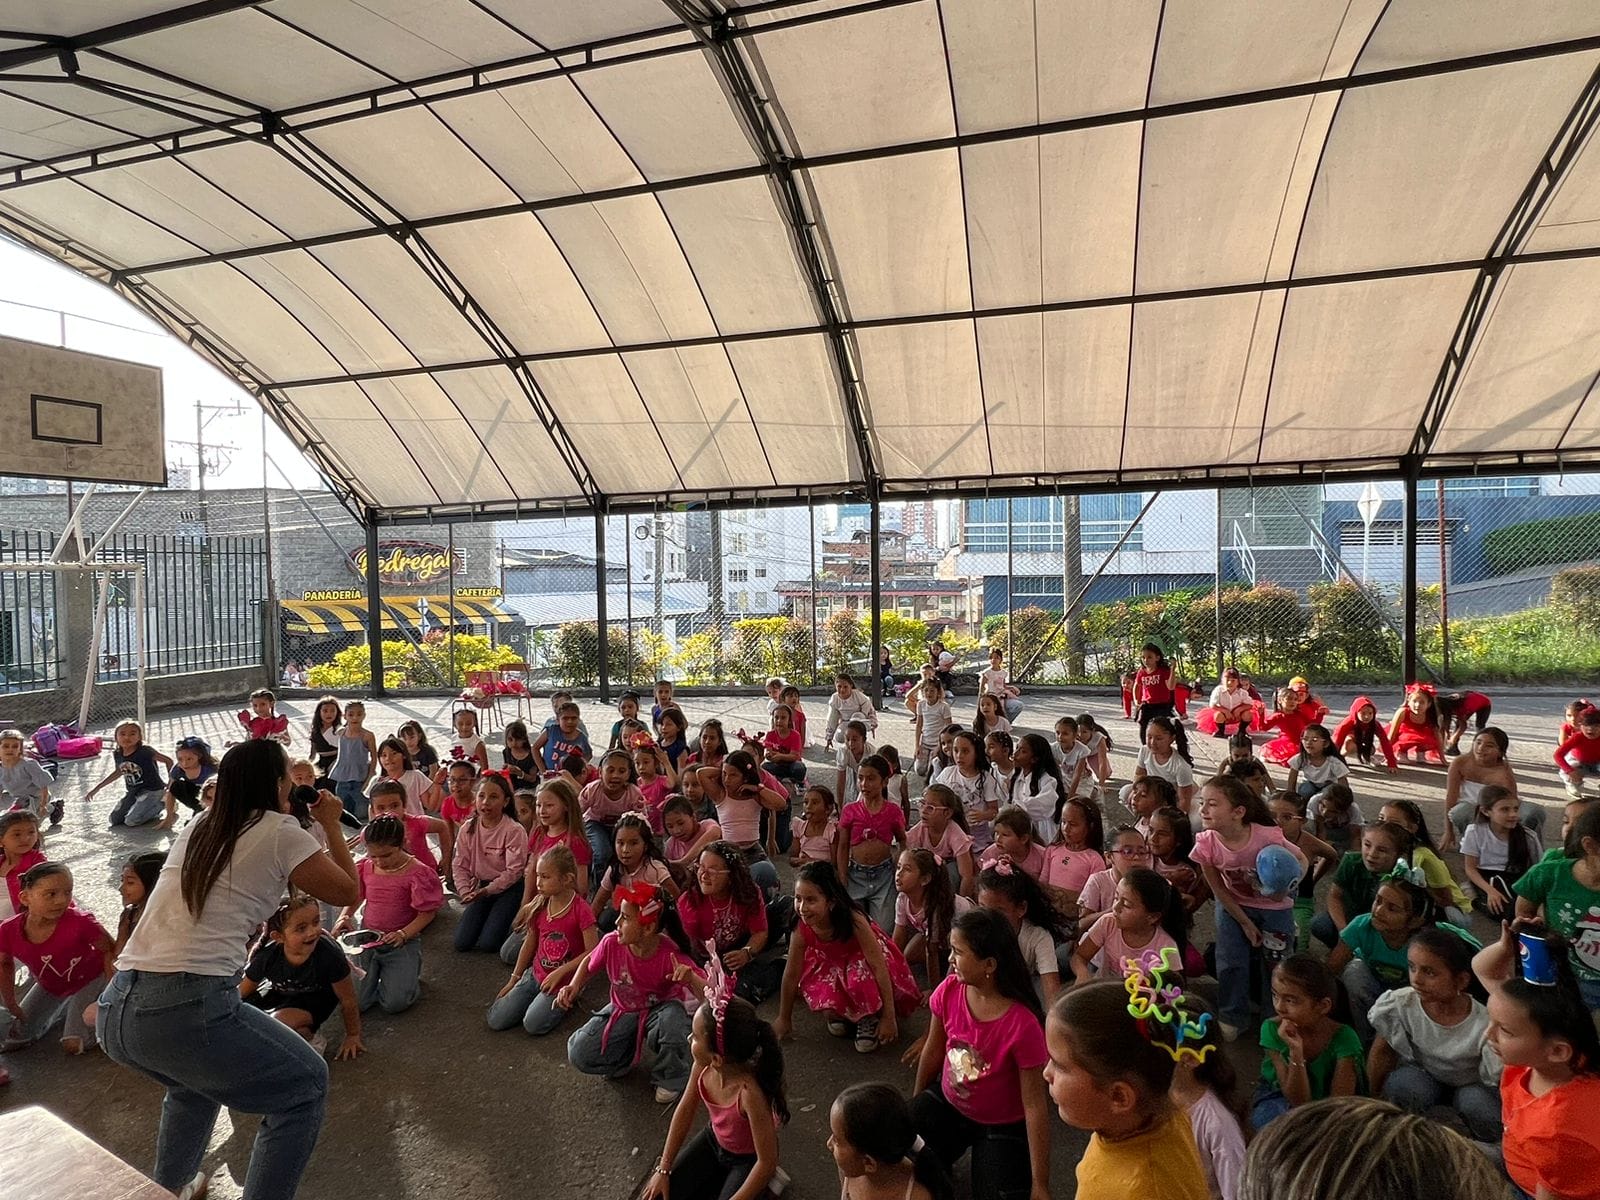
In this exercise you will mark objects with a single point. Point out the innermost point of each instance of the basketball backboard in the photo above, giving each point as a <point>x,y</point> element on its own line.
<point>65,414</point>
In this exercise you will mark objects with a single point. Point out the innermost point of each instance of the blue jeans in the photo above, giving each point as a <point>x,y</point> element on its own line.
<point>874,888</point>
<point>602,838</point>
<point>139,808</point>
<point>1364,987</point>
<point>666,1034</point>
<point>1413,1089</point>
<point>1323,929</point>
<point>393,978</point>
<point>1266,1106</point>
<point>526,1005</point>
<point>354,798</point>
<point>487,920</point>
<point>193,1035</point>
<point>1464,812</point>
<point>1233,958</point>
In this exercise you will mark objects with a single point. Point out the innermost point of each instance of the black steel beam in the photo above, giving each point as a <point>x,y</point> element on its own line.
<point>563,61</point>
<point>51,46</point>
<point>1200,293</point>
<point>1531,202</point>
<point>759,117</point>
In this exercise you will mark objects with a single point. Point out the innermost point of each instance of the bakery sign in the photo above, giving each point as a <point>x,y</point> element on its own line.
<point>409,563</point>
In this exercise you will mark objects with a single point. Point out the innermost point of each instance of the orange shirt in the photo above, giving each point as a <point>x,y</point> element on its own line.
<point>1553,1139</point>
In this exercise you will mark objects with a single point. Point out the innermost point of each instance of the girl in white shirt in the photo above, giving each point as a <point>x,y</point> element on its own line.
<point>1165,755</point>
<point>974,786</point>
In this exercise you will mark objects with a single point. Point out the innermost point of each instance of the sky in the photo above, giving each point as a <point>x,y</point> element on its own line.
<point>40,299</point>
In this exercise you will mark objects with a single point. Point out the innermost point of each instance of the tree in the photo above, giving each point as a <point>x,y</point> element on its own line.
<point>693,659</point>
<point>844,640</point>
<point>1575,597</point>
<point>575,659</point>
<point>1347,625</point>
<point>767,646</point>
<point>906,638</point>
<point>651,654</point>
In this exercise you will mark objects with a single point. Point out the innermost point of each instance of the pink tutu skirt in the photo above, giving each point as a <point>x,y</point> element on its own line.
<point>835,977</point>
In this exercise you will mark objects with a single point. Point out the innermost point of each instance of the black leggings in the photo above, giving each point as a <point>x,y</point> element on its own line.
<point>703,1170</point>
<point>1149,712</point>
<point>1001,1166</point>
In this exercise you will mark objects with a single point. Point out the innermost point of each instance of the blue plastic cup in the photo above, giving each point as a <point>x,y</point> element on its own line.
<point>1538,964</point>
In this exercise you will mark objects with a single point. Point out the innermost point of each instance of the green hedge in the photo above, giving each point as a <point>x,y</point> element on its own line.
<point>1535,543</point>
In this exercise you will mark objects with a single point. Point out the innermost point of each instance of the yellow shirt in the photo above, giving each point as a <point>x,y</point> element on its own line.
<point>1160,1165</point>
<point>1438,876</point>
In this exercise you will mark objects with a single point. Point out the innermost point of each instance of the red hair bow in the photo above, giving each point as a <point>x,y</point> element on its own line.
<point>643,896</point>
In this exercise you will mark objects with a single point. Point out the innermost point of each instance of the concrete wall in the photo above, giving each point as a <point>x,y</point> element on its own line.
<point>112,701</point>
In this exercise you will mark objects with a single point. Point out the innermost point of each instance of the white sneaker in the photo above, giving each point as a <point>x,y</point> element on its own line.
<point>195,1188</point>
<point>319,1044</point>
<point>778,1183</point>
<point>1574,788</point>
<point>1230,1033</point>
<point>666,1096</point>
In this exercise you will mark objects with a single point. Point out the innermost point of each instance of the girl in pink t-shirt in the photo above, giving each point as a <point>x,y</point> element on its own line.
<point>1238,826</point>
<point>19,851</point>
<point>1077,854</point>
<point>555,812</point>
<point>843,965</point>
<point>943,830</point>
<point>816,837</point>
<point>923,911</point>
<point>388,799</point>
<point>560,933</point>
<point>68,953</point>
<point>1128,849</point>
<point>687,835</point>
<point>646,1010</point>
<point>1146,917</point>
<point>1015,841</point>
<point>980,1078</point>
<point>399,899</point>
<point>637,859</point>
<point>721,906</point>
<point>655,783</point>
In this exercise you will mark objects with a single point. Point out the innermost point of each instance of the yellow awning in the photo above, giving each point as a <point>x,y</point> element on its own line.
<point>323,617</point>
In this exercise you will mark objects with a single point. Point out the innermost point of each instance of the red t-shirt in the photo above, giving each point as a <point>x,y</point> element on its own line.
<point>727,921</point>
<point>14,879</point>
<point>1152,687</point>
<point>64,963</point>
<point>786,743</point>
<point>560,937</point>
<point>984,1060</point>
<point>1553,1139</point>
<point>576,842</point>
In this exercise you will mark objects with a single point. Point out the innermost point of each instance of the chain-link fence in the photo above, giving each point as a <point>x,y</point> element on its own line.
<point>1278,581</point>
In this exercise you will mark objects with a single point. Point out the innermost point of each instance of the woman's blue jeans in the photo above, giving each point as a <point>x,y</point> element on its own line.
<point>193,1035</point>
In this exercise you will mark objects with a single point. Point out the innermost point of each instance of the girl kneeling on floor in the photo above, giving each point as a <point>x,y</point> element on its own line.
<point>401,895</point>
<point>561,932</point>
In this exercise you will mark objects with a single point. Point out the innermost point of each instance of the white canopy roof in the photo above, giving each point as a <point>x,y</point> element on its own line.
<point>488,256</point>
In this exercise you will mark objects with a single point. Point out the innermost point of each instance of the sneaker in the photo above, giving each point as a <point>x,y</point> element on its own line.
<point>867,1035</point>
<point>667,1096</point>
<point>319,1044</point>
<point>195,1188</point>
<point>1574,788</point>
<point>58,809</point>
<point>1452,751</point>
<point>779,1182</point>
<point>840,1028</point>
<point>1230,1033</point>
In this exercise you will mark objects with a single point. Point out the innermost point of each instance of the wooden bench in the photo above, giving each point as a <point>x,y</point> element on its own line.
<point>63,1164</point>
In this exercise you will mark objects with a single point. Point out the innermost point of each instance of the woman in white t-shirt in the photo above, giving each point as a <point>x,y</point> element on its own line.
<point>173,1012</point>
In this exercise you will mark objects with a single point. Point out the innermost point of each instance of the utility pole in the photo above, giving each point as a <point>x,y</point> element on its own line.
<point>716,581</point>
<point>204,414</point>
<point>661,560</point>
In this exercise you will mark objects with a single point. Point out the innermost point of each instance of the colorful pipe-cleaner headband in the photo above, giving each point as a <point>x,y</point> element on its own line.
<point>1152,998</point>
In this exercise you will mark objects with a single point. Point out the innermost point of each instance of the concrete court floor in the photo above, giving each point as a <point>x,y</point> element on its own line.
<point>441,1107</point>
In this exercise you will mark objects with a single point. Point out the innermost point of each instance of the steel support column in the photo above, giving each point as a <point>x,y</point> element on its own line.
<point>374,606</point>
<point>875,598</point>
<point>602,626</point>
<point>1408,621</point>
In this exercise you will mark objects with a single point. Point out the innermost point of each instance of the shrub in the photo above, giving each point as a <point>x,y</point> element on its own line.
<point>410,666</point>
<point>1575,599</point>
<point>844,640</point>
<point>1348,627</point>
<point>766,646</point>
<point>575,658</point>
<point>1534,543</point>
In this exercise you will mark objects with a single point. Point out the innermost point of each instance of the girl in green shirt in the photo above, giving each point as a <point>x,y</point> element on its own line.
<point>1311,1052</point>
